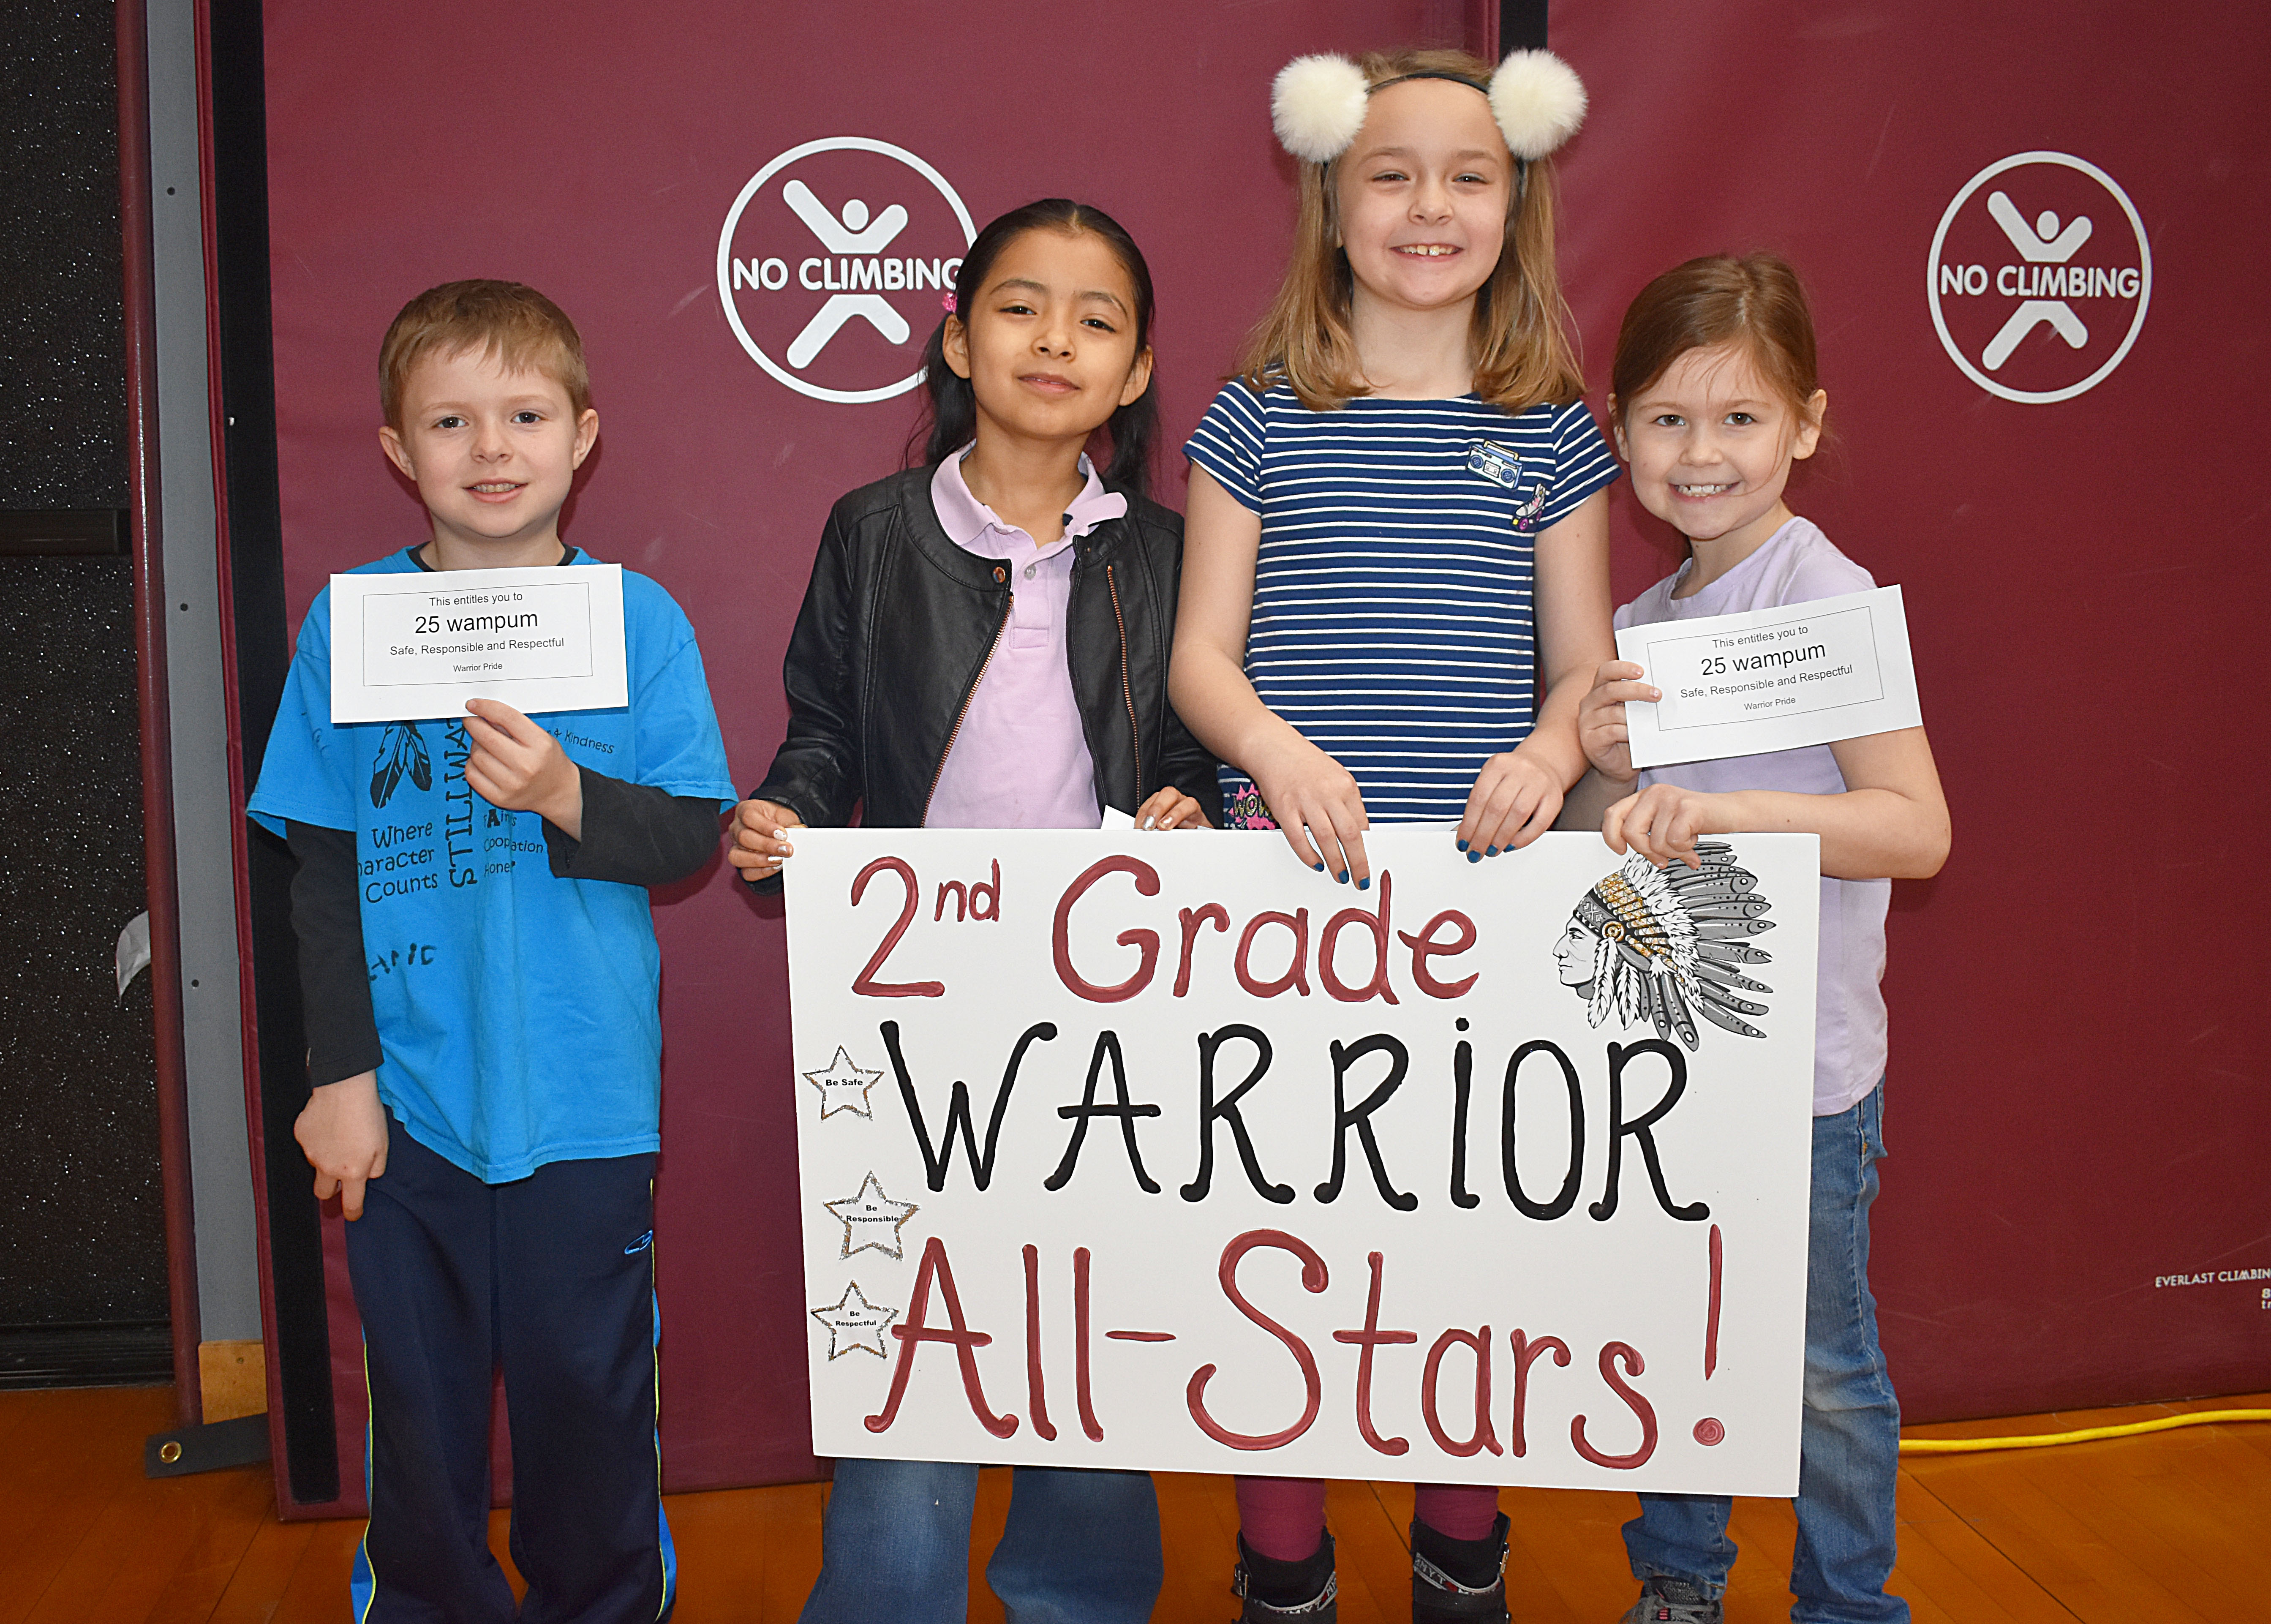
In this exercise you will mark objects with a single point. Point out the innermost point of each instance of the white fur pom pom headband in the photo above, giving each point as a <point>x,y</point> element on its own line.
<point>1317,104</point>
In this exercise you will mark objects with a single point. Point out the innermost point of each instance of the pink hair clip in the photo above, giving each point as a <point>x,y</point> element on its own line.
<point>947,304</point>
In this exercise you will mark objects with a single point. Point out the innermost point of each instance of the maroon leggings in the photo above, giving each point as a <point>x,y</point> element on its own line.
<point>1284,1518</point>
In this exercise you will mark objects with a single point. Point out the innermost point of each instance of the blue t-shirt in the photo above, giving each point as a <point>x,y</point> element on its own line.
<point>517,1012</point>
<point>1392,621</point>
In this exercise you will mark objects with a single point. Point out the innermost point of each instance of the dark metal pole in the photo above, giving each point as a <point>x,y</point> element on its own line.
<point>141,328</point>
<point>1521,26</point>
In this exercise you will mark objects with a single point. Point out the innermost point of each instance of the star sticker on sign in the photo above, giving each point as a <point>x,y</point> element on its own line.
<point>871,1220</point>
<point>843,1086</point>
<point>853,1322</point>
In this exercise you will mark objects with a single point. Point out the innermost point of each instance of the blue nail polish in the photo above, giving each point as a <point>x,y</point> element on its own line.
<point>1320,867</point>
<point>1463,845</point>
<point>1490,852</point>
<point>1342,877</point>
<point>1474,857</point>
<point>1364,884</point>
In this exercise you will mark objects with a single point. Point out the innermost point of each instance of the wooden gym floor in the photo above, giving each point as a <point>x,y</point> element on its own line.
<point>2173,1526</point>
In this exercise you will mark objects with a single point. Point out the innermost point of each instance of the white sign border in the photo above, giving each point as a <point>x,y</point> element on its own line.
<point>828,1248</point>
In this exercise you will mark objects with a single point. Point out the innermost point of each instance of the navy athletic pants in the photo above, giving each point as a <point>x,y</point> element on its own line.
<point>551,1279</point>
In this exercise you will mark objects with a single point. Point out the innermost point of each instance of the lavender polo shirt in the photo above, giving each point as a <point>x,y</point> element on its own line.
<point>1020,759</point>
<point>1798,564</point>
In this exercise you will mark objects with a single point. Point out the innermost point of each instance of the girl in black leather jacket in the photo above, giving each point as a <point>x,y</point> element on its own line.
<point>904,624</point>
<point>985,644</point>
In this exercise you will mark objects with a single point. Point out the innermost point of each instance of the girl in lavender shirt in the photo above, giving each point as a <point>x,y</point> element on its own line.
<point>1715,397</point>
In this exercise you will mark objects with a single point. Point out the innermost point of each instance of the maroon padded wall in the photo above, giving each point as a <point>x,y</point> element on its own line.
<point>2079,1103</point>
<point>2079,1099</point>
<point>595,151</point>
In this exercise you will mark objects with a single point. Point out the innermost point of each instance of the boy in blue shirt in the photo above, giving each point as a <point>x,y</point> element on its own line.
<point>480,974</point>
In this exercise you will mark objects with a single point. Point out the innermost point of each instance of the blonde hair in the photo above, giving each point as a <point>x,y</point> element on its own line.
<point>1521,338</point>
<point>510,323</point>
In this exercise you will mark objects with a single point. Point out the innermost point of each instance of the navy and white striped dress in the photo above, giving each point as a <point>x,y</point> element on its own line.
<point>1392,619</point>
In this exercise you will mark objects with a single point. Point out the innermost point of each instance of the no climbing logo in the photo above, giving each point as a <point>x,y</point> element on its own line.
<point>833,262</point>
<point>2040,277</point>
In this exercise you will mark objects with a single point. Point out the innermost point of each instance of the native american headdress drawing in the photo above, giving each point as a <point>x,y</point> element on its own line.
<point>1666,943</point>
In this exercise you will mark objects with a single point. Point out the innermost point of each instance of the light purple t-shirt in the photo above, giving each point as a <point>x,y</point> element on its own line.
<point>1798,564</point>
<point>1020,759</point>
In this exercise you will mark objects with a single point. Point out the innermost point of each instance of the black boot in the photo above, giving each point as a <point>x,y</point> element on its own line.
<point>1456,1580</point>
<point>1306,1590</point>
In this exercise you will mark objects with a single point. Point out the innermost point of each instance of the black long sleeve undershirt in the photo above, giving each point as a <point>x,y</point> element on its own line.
<point>633,834</point>
<point>335,979</point>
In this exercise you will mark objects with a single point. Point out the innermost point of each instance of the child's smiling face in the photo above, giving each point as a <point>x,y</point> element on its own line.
<point>1049,343</point>
<point>493,452</point>
<point>1711,444</point>
<point>1422,195</point>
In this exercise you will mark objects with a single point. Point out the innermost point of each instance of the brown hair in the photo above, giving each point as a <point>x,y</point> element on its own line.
<point>1755,303</point>
<point>510,321</point>
<point>1523,352</point>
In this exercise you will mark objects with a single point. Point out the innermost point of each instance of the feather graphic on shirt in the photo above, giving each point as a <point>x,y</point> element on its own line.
<point>400,751</point>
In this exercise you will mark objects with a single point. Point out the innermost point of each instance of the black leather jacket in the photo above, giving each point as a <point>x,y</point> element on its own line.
<point>897,625</point>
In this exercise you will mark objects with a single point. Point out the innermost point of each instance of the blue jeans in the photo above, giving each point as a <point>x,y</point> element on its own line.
<point>1081,1547</point>
<point>1849,1442</point>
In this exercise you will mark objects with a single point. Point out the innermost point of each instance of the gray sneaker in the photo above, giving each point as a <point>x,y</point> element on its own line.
<point>1671,1601</point>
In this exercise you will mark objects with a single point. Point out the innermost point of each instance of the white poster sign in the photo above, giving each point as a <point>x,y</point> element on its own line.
<point>1772,679</point>
<point>407,647</point>
<point>1164,1150</point>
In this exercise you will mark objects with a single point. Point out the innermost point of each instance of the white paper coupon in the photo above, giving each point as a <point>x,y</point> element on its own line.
<point>1772,679</point>
<point>407,647</point>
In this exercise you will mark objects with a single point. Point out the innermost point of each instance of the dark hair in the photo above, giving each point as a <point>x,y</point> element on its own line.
<point>951,415</point>
<point>1755,303</point>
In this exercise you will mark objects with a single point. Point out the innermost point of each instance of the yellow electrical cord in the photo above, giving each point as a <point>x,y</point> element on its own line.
<point>2037,1441</point>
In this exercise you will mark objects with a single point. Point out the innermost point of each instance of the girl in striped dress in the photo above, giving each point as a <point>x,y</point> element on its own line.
<point>1396,582</point>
